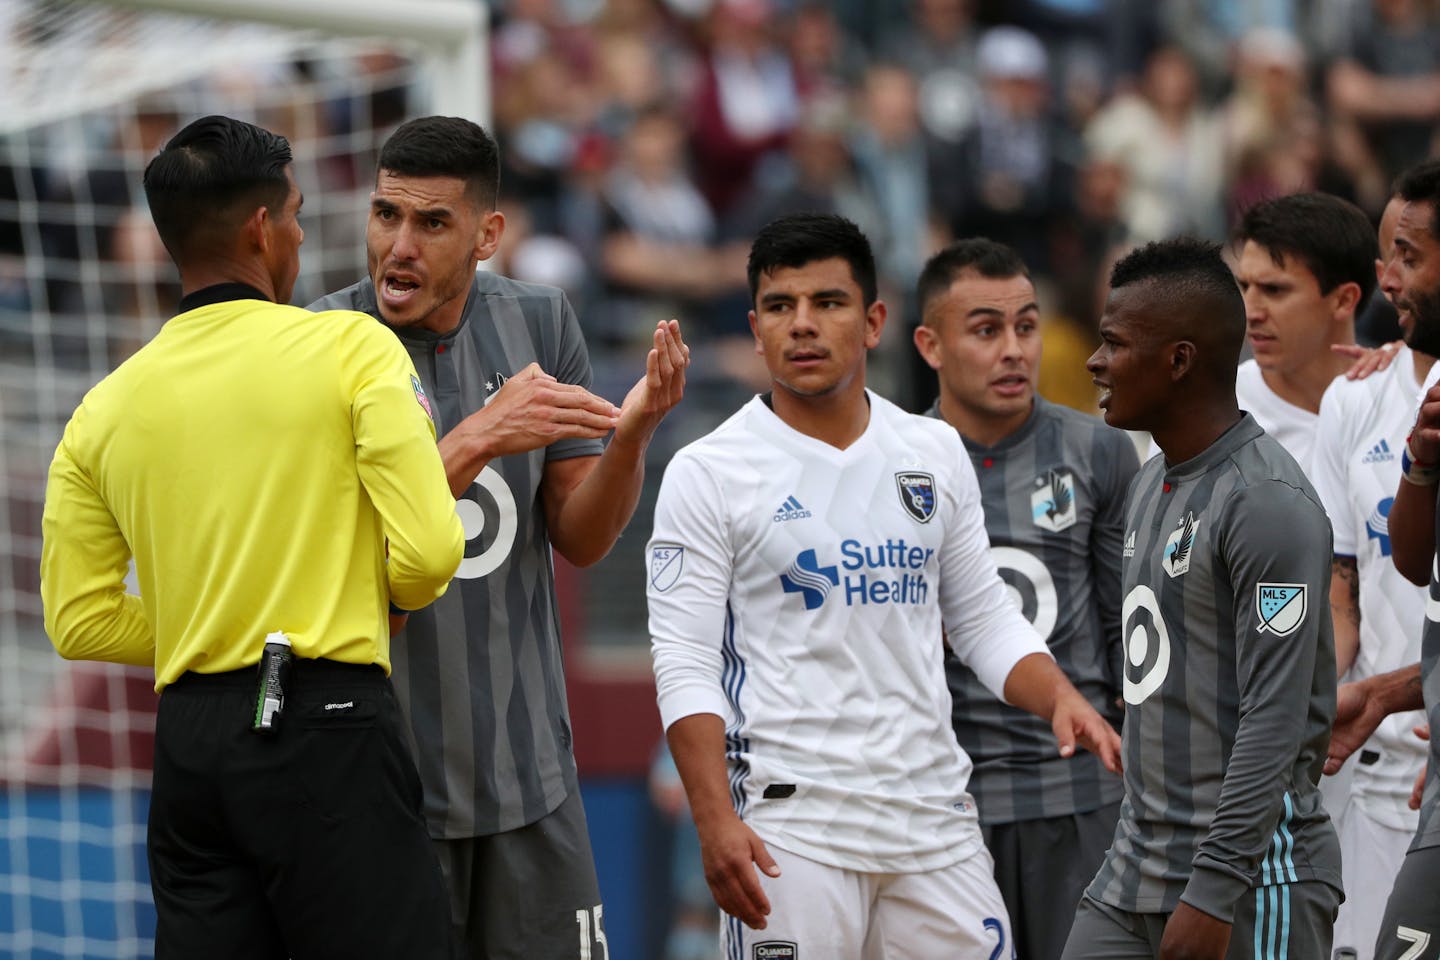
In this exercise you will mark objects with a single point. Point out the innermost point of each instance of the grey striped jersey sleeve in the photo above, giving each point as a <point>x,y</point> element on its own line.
<point>1107,536</point>
<point>1273,539</point>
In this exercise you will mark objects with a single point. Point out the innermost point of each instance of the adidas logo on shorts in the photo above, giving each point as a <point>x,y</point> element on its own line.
<point>791,510</point>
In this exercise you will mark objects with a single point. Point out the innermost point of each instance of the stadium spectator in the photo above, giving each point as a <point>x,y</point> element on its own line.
<point>1011,178</point>
<point>746,102</point>
<point>306,841</point>
<point>1306,266</point>
<point>1166,138</point>
<point>1052,485</point>
<point>480,680</point>
<point>1229,678</point>
<point>861,826</point>
<point>1378,616</point>
<point>1384,92</point>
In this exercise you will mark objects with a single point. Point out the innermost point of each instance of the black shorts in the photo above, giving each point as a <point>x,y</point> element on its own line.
<point>308,844</point>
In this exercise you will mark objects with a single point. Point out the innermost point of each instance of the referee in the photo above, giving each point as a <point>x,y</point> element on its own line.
<point>271,471</point>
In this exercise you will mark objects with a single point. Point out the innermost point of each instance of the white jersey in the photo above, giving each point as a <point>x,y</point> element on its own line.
<point>797,591</point>
<point>1293,426</point>
<point>1355,470</point>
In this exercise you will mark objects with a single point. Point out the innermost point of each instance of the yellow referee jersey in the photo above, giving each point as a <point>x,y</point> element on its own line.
<point>256,460</point>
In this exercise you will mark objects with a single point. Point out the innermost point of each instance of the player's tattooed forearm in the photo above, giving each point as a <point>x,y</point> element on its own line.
<point>1344,569</point>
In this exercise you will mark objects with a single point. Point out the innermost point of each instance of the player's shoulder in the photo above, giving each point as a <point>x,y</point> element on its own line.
<point>359,296</point>
<point>538,302</point>
<point>1267,477</point>
<point>917,428</point>
<point>1084,430</point>
<point>732,439</point>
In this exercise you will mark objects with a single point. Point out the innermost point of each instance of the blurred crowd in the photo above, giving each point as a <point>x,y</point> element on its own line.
<point>646,140</point>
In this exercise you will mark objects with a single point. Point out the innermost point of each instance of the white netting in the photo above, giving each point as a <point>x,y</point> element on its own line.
<point>91,92</point>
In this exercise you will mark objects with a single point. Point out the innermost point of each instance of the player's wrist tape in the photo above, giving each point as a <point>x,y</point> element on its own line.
<point>1418,472</point>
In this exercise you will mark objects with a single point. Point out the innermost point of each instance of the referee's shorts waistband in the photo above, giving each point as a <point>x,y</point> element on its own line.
<point>303,672</point>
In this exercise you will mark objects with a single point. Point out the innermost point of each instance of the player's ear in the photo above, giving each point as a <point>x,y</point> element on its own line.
<point>1182,359</point>
<point>1346,299</point>
<point>488,234</point>
<point>875,323</point>
<point>927,341</point>
<point>256,229</point>
<point>755,332</point>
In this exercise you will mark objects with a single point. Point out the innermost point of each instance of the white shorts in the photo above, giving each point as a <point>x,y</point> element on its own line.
<point>818,911</point>
<point>1370,854</point>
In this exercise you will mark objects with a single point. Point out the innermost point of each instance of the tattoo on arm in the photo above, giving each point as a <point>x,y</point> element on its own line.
<point>1344,569</point>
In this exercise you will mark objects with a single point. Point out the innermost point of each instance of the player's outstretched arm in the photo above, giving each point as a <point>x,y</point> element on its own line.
<point>589,500</point>
<point>1036,684</point>
<point>532,410</point>
<point>729,849</point>
<point>1192,934</point>
<point>1362,705</point>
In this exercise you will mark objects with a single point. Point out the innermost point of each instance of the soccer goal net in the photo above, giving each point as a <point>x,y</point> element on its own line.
<point>92,91</point>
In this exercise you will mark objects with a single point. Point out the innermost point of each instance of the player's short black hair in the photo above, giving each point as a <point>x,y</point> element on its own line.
<point>984,256</point>
<point>1331,237</point>
<point>446,147</point>
<point>210,176</point>
<point>1195,295</point>
<point>1421,184</point>
<point>801,238</point>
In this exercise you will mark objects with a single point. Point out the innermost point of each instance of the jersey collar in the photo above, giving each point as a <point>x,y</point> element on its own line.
<point>1240,433</point>
<point>219,293</point>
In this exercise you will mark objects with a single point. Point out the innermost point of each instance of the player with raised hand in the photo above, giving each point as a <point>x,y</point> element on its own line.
<point>808,559</point>
<point>1410,928</point>
<point>1052,484</point>
<point>1224,847</point>
<point>505,366</point>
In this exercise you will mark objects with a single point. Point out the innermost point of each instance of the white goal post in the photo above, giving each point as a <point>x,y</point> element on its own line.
<point>451,32</point>
<point>93,88</point>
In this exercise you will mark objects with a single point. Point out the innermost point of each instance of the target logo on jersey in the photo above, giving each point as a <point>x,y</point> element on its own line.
<point>491,520</point>
<point>1030,585</point>
<point>1147,645</point>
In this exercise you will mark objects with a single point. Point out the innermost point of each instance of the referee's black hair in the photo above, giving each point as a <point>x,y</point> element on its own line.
<point>1193,294</point>
<point>1331,237</point>
<point>210,177</point>
<point>446,147</point>
<point>986,257</point>
<point>801,238</point>
<point>1421,184</point>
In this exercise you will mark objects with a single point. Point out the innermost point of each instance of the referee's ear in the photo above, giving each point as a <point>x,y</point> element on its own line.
<point>488,234</point>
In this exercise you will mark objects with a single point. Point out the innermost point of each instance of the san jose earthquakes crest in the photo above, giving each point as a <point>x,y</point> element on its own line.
<point>917,494</point>
<point>1280,607</point>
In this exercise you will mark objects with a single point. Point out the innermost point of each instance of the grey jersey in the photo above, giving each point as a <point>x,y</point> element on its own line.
<point>1054,500</point>
<point>479,671</point>
<point>1229,681</point>
<point>1427,834</point>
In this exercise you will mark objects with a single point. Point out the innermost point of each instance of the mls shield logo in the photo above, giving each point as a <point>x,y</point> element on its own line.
<point>667,560</point>
<point>1176,558</point>
<point>775,950</point>
<point>420,397</point>
<point>1280,607</point>
<point>917,494</point>
<point>1052,505</point>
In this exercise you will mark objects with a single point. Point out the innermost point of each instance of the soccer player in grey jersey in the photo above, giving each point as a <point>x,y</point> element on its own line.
<point>480,678</point>
<point>1410,929</point>
<point>1052,484</point>
<point>1224,848</point>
